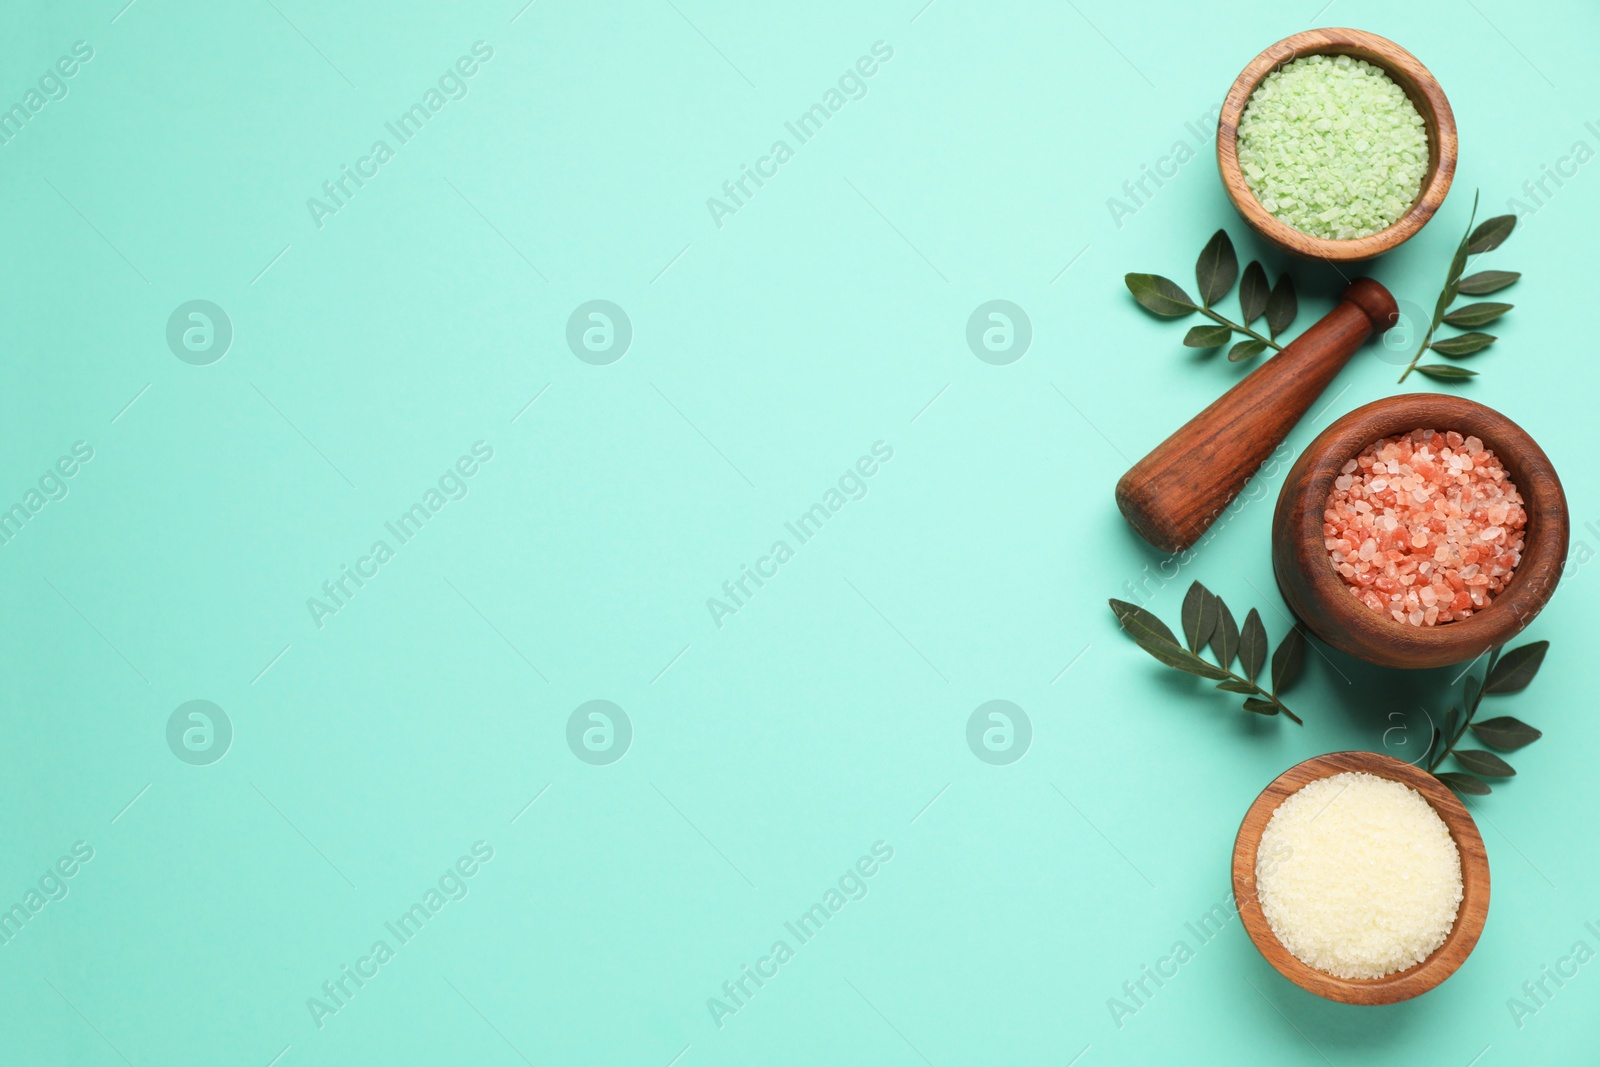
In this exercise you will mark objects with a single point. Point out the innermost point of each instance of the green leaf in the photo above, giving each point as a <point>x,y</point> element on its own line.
<point>1470,696</point>
<point>1207,336</point>
<point>1464,783</point>
<point>1448,727</point>
<point>1231,686</point>
<point>1459,262</point>
<point>1260,707</point>
<point>1160,295</point>
<point>1254,289</point>
<point>1447,296</point>
<point>1252,645</point>
<point>1446,373</point>
<point>1246,350</point>
<point>1286,662</point>
<point>1216,269</point>
<point>1463,344</point>
<point>1477,314</point>
<point>1433,743</point>
<point>1516,668</point>
<point>1506,733</point>
<point>1490,234</point>
<point>1485,282</point>
<point>1140,624</point>
<point>1176,656</point>
<point>1199,616</point>
<point>1225,637</point>
<point>1487,764</point>
<point>1281,306</point>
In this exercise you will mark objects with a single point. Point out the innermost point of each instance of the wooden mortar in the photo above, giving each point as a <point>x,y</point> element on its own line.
<point>1318,596</point>
<point>1414,80</point>
<point>1470,915</point>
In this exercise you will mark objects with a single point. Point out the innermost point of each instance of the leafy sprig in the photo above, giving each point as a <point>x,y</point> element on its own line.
<point>1209,625</point>
<point>1215,272</point>
<point>1510,673</point>
<point>1486,238</point>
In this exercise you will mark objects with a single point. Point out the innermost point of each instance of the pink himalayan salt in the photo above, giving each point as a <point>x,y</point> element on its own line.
<point>1425,528</point>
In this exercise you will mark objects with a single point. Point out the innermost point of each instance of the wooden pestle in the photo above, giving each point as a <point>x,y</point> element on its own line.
<point>1173,494</point>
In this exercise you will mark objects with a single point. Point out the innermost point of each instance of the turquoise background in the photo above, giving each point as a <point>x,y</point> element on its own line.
<point>770,753</point>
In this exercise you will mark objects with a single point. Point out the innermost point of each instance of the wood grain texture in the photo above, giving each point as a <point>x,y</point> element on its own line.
<point>1175,493</point>
<point>1402,985</point>
<point>1319,597</point>
<point>1408,73</point>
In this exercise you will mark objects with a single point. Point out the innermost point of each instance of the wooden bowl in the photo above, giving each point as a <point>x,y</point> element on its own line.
<point>1402,985</point>
<point>1408,73</point>
<point>1319,597</point>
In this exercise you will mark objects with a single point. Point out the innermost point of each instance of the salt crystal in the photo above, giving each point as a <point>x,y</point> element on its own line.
<point>1453,520</point>
<point>1357,875</point>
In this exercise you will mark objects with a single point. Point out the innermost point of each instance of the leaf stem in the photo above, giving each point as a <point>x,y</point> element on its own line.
<point>1454,275</point>
<point>1426,338</point>
<point>1467,713</point>
<point>1297,720</point>
<point>1264,694</point>
<point>1242,329</point>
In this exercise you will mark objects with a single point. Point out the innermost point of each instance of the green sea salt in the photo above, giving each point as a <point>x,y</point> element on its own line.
<point>1333,147</point>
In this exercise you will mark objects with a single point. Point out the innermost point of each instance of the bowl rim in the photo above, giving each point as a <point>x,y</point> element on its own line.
<point>1545,537</point>
<point>1414,79</point>
<point>1471,913</point>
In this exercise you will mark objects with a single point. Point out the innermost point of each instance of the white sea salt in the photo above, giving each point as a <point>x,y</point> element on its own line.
<point>1333,147</point>
<point>1358,876</point>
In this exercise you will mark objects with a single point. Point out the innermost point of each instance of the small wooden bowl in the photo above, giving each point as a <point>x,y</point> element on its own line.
<point>1316,593</point>
<point>1402,985</point>
<point>1408,73</point>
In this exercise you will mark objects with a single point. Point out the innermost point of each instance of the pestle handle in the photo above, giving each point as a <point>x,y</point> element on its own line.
<point>1172,495</point>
